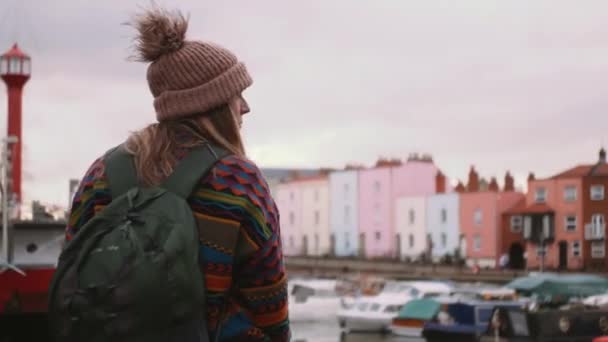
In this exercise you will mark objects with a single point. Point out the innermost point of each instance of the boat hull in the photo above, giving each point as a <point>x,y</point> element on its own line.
<point>406,331</point>
<point>364,323</point>
<point>444,336</point>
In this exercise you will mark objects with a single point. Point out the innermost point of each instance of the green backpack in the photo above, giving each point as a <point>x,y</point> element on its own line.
<point>132,272</point>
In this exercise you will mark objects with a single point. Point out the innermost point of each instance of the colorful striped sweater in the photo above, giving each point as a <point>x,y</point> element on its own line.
<point>242,249</point>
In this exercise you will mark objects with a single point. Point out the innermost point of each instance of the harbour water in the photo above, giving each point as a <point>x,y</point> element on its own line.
<point>330,332</point>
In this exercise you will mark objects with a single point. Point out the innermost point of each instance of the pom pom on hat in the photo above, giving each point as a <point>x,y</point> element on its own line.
<point>160,32</point>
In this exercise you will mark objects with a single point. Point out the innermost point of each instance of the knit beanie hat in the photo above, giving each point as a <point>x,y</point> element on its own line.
<point>185,77</point>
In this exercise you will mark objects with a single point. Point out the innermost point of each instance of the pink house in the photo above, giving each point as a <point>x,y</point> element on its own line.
<point>375,208</point>
<point>379,189</point>
<point>481,217</point>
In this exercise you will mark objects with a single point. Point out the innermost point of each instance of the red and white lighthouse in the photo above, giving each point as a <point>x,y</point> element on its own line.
<point>15,70</point>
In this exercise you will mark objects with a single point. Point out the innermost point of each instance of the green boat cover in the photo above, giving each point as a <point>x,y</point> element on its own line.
<point>558,287</point>
<point>422,309</point>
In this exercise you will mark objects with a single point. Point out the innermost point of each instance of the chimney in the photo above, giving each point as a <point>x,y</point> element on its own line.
<point>531,177</point>
<point>602,156</point>
<point>460,188</point>
<point>385,162</point>
<point>440,183</point>
<point>473,185</point>
<point>509,183</point>
<point>493,185</point>
<point>483,184</point>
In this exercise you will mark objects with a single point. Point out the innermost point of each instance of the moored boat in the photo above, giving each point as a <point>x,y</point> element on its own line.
<point>463,321</point>
<point>375,313</point>
<point>580,324</point>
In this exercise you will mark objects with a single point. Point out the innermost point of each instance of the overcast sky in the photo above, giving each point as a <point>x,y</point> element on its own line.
<point>505,85</point>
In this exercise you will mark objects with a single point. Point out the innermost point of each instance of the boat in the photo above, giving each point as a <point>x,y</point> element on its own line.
<point>359,284</point>
<point>578,324</point>
<point>559,289</point>
<point>463,321</point>
<point>25,279</point>
<point>375,313</point>
<point>313,300</point>
<point>415,314</point>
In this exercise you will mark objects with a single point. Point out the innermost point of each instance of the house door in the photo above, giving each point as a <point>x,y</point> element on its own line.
<point>362,245</point>
<point>398,246</point>
<point>516,256</point>
<point>563,255</point>
<point>305,245</point>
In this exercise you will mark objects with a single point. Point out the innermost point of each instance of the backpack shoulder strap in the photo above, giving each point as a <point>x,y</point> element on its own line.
<point>192,167</point>
<point>120,170</point>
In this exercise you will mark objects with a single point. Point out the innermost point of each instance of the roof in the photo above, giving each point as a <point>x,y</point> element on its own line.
<point>15,52</point>
<point>286,173</point>
<point>599,169</point>
<point>308,178</point>
<point>536,208</point>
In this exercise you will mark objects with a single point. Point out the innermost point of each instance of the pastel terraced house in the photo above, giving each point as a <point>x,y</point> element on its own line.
<point>289,202</point>
<point>482,206</point>
<point>344,211</point>
<point>316,232</point>
<point>410,225</point>
<point>443,225</point>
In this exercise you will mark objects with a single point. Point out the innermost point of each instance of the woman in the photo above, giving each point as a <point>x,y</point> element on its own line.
<point>197,90</point>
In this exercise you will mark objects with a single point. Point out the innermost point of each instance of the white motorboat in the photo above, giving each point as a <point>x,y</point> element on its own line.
<point>375,313</point>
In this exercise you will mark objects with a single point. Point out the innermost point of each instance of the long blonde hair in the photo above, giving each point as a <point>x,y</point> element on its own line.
<point>156,146</point>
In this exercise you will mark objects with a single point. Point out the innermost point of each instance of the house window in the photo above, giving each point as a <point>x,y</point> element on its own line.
<point>477,216</point>
<point>444,240</point>
<point>570,193</point>
<point>540,196</point>
<point>412,215</point>
<point>317,217</point>
<point>576,248</point>
<point>377,186</point>
<point>570,223</point>
<point>378,236</point>
<point>292,218</point>
<point>597,192</point>
<point>477,243</point>
<point>411,238</point>
<point>377,213</point>
<point>316,242</point>
<point>444,215</point>
<point>346,190</point>
<point>292,196</point>
<point>598,249</point>
<point>598,225</point>
<point>541,250</point>
<point>347,215</point>
<point>517,223</point>
<point>291,241</point>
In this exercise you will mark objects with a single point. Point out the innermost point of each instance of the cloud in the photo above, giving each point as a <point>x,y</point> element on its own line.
<point>504,85</point>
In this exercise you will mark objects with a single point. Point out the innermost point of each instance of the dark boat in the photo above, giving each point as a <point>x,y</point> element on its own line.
<point>573,325</point>
<point>463,322</point>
